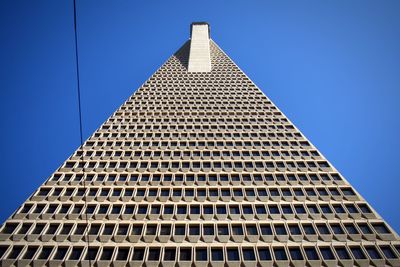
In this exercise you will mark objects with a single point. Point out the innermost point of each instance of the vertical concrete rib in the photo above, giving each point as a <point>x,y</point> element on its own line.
<point>199,57</point>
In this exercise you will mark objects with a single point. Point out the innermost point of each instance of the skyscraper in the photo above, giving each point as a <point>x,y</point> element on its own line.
<point>197,167</point>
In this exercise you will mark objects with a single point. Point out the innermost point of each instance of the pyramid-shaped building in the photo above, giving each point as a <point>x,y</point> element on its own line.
<point>197,168</point>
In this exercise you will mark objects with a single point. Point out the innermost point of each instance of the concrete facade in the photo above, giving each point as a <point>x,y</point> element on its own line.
<point>197,168</point>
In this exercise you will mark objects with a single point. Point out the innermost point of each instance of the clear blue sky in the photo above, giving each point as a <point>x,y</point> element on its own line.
<point>331,66</point>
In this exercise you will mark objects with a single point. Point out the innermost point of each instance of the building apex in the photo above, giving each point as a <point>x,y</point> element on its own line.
<point>199,23</point>
<point>199,56</point>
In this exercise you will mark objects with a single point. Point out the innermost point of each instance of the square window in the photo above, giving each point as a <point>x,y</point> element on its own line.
<point>248,254</point>
<point>217,254</point>
<point>264,254</point>
<point>280,254</point>
<point>107,253</point>
<point>180,230</point>
<point>208,230</point>
<point>295,253</point>
<point>342,253</point>
<point>233,254</point>
<point>185,254</point>
<point>311,253</point>
<point>194,229</point>
<point>327,253</point>
<point>170,254</point>
<point>357,253</point>
<point>251,230</point>
<point>138,254</point>
<point>91,253</point>
<point>373,253</point>
<point>201,254</point>
<point>154,254</point>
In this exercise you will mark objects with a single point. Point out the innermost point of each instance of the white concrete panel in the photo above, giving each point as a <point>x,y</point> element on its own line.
<point>199,57</point>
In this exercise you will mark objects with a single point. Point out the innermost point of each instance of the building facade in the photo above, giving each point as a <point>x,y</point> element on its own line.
<point>197,168</point>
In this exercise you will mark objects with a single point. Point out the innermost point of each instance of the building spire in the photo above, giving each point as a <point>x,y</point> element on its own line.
<point>199,56</point>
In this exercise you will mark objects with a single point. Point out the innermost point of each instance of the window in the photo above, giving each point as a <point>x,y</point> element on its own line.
<point>194,229</point>
<point>342,253</point>
<point>294,229</point>
<point>221,210</point>
<point>351,229</point>
<point>365,229</point>
<point>266,229</point>
<point>358,253</point>
<point>201,254</point>
<point>182,209</point>
<point>168,209</point>
<point>313,209</point>
<point>264,254</point>
<point>338,208</point>
<point>60,253</point>
<point>80,229</point>
<point>76,253</point>
<point>30,252</point>
<point>122,229</point>
<point>122,254</point>
<point>103,209</point>
<point>348,191</point>
<point>107,254</point>
<point>327,253</point>
<point>234,210</point>
<point>247,209</point>
<point>108,229</point>
<point>273,209</point>
<point>388,252</point>
<point>280,229</point>
<point>165,229</point>
<point>155,209</point>
<point>326,209</point>
<point>311,253</point>
<point>351,208</point>
<point>251,230</point>
<point>151,229</point>
<point>138,254</point>
<point>195,209</point>
<point>300,209</point>
<point>364,208</point>
<point>9,228</point>
<point>233,254</point>
<point>208,230</point>
<point>137,229</point>
<point>286,209</point>
<point>45,253</point>
<point>373,253</point>
<point>26,226</point>
<point>295,253</point>
<point>323,229</point>
<point>337,229</point>
<point>180,230</point>
<point>217,254</point>
<point>39,228</point>
<point>142,209</point>
<point>154,254</point>
<point>260,209</point>
<point>309,229</point>
<point>381,228</point>
<point>223,229</point>
<point>237,230</point>
<point>248,254</point>
<point>185,254</point>
<point>262,192</point>
<point>280,254</point>
<point>170,254</point>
